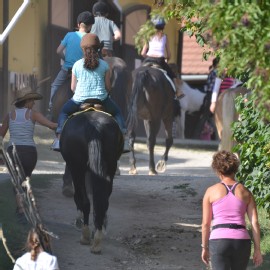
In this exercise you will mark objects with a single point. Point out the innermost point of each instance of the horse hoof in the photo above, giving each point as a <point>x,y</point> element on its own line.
<point>85,237</point>
<point>132,172</point>
<point>161,166</point>
<point>68,191</point>
<point>94,251</point>
<point>152,172</point>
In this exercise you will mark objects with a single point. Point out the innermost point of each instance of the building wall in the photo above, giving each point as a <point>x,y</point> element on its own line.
<point>27,39</point>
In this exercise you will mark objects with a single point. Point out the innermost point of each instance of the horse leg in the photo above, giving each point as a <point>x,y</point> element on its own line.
<point>67,189</point>
<point>151,128</point>
<point>161,165</point>
<point>102,188</point>
<point>132,159</point>
<point>81,200</point>
<point>182,124</point>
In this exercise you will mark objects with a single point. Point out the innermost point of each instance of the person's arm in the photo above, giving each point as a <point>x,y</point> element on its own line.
<point>117,35</point>
<point>38,117</point>
<point>206,223</point>
<point>60,51</point>
<point>167,48</point>
<point>144,50</point>
<point>108,81</point>
<point>73,82</point>
<point>4,127</point>
<point>253,218</point>
<point>215,92</point>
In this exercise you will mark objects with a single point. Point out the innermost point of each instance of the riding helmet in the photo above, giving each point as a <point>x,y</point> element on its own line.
<point>90,40</point>
<point>86,17</point>
<point>100,9</point>
<point>158,21</point>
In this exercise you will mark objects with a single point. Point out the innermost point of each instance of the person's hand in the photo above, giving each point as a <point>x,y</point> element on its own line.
<point>205,255</point>
<point>212,107</point>
<point>257,258</point>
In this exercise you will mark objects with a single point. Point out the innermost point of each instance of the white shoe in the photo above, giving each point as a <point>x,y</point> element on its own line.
<point>56,145</point>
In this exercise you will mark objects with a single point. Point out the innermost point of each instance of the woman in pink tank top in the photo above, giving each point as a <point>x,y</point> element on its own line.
<point>228,244</point>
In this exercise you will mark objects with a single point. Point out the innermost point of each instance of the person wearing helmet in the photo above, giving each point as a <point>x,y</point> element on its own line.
<point>157,50</point>
<point>105,29</point>
<point>90,80</point>
<point>70,51</point>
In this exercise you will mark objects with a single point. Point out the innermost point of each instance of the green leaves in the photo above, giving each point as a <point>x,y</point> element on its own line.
<point>253,137</point>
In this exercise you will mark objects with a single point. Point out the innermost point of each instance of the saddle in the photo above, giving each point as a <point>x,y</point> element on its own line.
<point>96,104</point>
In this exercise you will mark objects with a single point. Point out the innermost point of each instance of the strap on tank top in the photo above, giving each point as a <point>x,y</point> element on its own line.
<point>230,189</point>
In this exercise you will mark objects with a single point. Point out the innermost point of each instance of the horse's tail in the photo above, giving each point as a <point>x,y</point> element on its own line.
<point>228,115</point>
<point>96,162</point>
<point>140,80</point>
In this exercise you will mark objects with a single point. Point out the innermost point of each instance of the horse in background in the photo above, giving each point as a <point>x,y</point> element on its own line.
<point>152,100</point>
<point>225,114</point>
<point>190,103</point>
<point>91,144</point>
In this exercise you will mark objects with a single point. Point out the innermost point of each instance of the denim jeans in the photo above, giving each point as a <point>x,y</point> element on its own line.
<point>71,107</point>
<point>61,77</point>
<point>229,254</point>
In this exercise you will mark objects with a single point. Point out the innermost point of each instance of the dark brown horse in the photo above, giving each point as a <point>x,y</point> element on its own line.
<point>152,99</point>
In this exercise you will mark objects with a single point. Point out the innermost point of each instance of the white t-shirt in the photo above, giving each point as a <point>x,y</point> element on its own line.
<point>44,261</point>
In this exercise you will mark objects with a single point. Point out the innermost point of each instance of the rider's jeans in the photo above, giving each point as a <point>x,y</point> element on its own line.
<point>71,107</point>
<point>61,77</point>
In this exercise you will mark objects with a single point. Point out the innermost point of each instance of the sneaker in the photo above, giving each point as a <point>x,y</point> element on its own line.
<point>126,148</point>
<point>56,145</point>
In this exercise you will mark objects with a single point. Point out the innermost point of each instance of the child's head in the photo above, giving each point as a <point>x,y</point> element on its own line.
<point>85,20</point>
<point>158,22</point>
<point>90,45</point>
<point>100,9</point>
<point>33,244</point>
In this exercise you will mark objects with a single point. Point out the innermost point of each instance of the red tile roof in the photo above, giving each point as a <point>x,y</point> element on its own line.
<point>192,61</point>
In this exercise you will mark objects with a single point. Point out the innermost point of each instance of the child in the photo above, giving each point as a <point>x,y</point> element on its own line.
<point>156,50</point>
<point>106,30</point>
<point>36,257</point>
<point>90,80</point>
<point>73,52</point>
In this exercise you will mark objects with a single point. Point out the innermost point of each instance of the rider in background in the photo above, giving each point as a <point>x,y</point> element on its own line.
<point>90,80</point>
<point>157,50</point>
<point>106,30</point>
<point>221,84</point>
<point>70,51</point>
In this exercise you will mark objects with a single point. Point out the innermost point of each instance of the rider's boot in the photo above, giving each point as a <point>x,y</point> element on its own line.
<point>56,145</point>
<point>126,147</point>
<point>178,91</point>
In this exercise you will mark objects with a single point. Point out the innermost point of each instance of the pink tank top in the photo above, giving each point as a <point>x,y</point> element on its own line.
<point>229,209</point>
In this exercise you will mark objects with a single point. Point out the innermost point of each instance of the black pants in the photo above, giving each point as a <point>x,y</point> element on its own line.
<point>28,157</point>
<point>229,254</point>
<point>162,63</point>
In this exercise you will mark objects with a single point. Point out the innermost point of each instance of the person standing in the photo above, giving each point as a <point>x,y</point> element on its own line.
<point>225,204</point>
<point>157,51</point>
<point>70,51</point>
<point>106,30</point>
<point>35,258</point>
<point>90,80</point>
<point>21,124</point>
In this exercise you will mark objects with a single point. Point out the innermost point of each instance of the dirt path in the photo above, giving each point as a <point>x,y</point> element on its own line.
<point>154,221</point>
